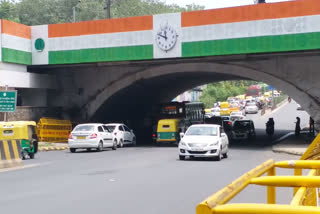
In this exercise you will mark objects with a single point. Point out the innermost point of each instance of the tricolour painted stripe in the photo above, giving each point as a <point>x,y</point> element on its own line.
<point>295,42</point>
<point>101,54</point>
<point>15,29</point>
<point>139,23</point>
<point>136,38</point>
<point>17,43</point>
<point>16,56</point>
<point>251,13</point>
<point>268,27</point>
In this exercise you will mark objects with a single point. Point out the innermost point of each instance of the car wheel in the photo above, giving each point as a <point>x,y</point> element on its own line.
<point>134,141</point>
<point>72,150</point>
<point>88,150</point>
<point>218,158</point>
<point>181,157</point>
<point>100,147</point>
<point>120,144</point>
<point>225,155</point>
<point>114,147</point>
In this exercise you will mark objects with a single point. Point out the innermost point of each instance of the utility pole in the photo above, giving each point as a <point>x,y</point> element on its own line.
<point>107,8</point>
<point>5,113</point>
<point>74,11</point>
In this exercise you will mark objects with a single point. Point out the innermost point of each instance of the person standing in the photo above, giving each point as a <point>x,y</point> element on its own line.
<point>298,128</point>
<point>311,126</point>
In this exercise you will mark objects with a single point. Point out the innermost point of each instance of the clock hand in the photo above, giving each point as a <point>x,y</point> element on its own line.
<point>165,34</point>
<point>165,37</point>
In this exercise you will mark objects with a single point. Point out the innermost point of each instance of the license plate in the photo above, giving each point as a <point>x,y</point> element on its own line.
<point>197,149</point>
<point>81,137</point>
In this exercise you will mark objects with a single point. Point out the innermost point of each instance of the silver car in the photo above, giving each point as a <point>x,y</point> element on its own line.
<point>251,107</point>
<point>91,136</point>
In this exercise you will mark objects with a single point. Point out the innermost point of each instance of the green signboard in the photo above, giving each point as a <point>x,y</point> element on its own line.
<point>8,100</point>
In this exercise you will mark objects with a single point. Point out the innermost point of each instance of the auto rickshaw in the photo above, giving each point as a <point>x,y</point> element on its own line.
<point>23,131</point>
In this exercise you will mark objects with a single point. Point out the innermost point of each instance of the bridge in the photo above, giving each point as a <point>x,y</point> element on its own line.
<point>117,69</point>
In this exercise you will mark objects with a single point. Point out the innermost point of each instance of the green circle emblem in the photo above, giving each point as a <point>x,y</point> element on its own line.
<point>39,45</point>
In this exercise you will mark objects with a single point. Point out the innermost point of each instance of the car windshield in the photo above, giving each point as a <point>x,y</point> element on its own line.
<point>202,131</point>
<point>84,128</point>
<point>111,128</point>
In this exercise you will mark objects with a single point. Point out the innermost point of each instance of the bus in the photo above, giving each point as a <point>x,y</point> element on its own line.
<point>176,117</point>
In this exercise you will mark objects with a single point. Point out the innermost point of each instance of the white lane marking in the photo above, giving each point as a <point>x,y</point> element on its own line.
<point>23,167</point>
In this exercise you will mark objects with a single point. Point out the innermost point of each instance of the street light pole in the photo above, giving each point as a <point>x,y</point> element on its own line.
<point>107,8</point>
<point>74,11</point>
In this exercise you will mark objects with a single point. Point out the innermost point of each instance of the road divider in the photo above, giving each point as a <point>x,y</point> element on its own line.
<point>10,153</point>
<point>53,130</point>
<point>53,148</point>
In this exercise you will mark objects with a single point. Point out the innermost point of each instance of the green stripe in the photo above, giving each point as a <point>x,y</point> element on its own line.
<point>296,42</point>
<point>101,54</point>
<point>16,56</point>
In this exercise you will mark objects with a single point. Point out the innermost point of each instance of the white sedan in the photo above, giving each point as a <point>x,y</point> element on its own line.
<point>251,107</point>
<point>204,141</point>
<point>90,136</point>
<point>122,135</point>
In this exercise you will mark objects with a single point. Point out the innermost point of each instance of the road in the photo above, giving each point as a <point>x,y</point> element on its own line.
<point>144,180</point>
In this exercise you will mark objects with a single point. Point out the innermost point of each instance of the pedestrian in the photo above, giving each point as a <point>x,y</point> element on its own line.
<point>298,128</point>
<point>311,126</point>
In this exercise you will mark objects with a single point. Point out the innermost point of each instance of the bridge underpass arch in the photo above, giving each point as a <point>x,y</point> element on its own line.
<point>130,98</point>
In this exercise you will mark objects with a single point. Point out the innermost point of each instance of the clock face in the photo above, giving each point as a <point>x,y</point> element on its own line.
<point>166,37</point>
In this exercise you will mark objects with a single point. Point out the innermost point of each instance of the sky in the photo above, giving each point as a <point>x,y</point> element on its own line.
<point>210,4</point>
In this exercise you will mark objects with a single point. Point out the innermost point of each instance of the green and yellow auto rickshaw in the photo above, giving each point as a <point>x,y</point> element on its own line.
<point>24,133</point>
<point>168,131</point>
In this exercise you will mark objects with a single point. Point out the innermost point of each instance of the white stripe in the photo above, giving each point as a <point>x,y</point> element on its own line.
<point>101,40</point>
<point>257,28</point>
<point>16,43</point>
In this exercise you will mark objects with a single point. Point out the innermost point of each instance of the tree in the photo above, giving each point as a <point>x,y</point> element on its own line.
<point>37,12</point>
<point>220,91</point>
<point>8,10</point>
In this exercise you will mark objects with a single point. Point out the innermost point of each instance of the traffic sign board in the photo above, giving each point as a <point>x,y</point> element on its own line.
<point>8,101</point>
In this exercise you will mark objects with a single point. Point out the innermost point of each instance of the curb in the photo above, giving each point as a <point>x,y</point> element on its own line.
<point>52,148</point>
<point>290,152</point>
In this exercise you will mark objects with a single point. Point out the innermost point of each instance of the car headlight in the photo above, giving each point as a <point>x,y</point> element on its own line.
<point>183,143</point>
<point>214,144</point>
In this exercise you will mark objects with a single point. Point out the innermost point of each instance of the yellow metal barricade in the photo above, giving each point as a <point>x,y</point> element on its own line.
<point>53,130</point>
<point>305,199</point>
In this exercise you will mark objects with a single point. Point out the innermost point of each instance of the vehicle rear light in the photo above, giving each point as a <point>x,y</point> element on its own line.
<point>115,133</point>
<point>70,136</point>
<point>229,123</point>
<point>154,135</point>
<point>93,136</point>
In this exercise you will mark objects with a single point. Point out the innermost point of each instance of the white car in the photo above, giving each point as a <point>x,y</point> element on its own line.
<point>204,141</point>
<point>90,136</point>
<point>215,111</point>
<point>236,115</point>
<point>121,134</point>
<point>251,107</point>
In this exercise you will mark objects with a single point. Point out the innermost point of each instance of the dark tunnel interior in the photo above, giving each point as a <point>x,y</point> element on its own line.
<point>133,105</point>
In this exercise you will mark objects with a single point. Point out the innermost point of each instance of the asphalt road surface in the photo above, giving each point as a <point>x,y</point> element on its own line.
<point>138,180</point>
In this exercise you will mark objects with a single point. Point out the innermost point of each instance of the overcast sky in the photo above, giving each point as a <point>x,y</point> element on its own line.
<point>209,4</point>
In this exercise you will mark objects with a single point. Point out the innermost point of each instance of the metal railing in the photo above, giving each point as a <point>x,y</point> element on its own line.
<point>305,199</point>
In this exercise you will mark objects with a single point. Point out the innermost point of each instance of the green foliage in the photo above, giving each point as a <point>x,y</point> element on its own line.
<point>37,12</point>
<point>8,10</point>
<point>220,91</point>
